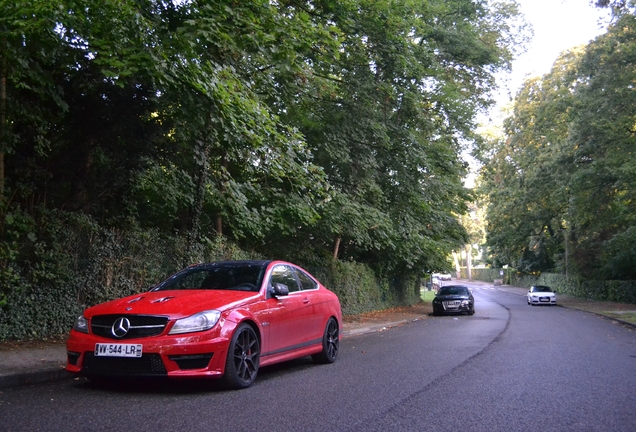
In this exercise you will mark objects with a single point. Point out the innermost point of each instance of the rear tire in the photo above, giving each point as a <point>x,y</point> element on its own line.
<point>330,343</point>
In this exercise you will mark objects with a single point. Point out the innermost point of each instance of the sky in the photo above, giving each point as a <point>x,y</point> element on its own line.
<point>558,25</point>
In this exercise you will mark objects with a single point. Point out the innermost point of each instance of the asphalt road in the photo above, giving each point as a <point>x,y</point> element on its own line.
<point>510,367</point>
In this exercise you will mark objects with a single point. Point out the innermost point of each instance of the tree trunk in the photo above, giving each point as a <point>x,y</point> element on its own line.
<point>469,257</point>
<point>218,223</point>
<point>566,253</point>
<point>194,254</point>
<point>3,119</point>
<point>336,247</point>
<point>457,267</point>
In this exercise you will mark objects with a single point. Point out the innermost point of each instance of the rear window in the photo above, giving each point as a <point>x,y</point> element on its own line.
<point>453,291</point>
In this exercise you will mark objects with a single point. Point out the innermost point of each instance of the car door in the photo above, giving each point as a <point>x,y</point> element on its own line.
<point>286,320</point>
<point>314,308</point>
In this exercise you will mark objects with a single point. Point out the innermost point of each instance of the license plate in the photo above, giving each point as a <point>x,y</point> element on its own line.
<point>118,350</point>
<point>452,304</point>
<point>544,299</point>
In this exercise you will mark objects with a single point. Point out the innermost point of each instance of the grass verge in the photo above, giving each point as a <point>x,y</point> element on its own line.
<point>428,296</point>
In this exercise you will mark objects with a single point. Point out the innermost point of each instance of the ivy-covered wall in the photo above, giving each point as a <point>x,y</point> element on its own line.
<point>68,263</point>
<point>611,290</point>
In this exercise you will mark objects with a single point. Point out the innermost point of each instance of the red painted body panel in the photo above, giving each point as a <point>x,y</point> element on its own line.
<point>288,327</point>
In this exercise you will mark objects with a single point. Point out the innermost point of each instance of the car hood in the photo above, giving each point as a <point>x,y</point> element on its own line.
<point>173,303</point>
<point>542,294</point>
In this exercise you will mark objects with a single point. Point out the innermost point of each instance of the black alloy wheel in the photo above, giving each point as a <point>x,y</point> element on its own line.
<point>330,343</point>
<point>243,358</point>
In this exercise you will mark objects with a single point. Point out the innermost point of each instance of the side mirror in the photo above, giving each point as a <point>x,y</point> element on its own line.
<point>279,289</point>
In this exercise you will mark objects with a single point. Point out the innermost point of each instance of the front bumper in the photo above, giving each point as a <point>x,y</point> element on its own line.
<point>438,309</point>
<point>542,300</point>
<point>178,356</point>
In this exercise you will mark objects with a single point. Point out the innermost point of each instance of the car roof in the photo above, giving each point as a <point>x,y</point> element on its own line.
<point>238,263</point>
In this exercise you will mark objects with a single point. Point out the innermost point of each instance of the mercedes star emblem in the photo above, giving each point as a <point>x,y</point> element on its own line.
<point>120,327</point>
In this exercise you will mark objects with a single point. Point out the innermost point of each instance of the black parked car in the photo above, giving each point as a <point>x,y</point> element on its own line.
<point>454,299</point>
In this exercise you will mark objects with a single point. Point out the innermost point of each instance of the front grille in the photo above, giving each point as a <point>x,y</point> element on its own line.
<point>140,326</point>
<point>193,361</point>
<point>147,364</point>
<point>452,304</point>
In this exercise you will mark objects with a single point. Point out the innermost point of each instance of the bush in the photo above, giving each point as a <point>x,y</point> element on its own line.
<point>360,290</point>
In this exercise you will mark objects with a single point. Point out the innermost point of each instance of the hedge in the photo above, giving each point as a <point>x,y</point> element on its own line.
<point>611,290</point>
<point>68,262</point>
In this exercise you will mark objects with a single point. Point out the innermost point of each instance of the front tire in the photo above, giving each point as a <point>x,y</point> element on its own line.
<point>330,343</point>
<point>243,358</point>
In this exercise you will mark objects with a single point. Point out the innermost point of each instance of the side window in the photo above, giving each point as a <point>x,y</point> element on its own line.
<point>306,282</point>
<point>285,275</point>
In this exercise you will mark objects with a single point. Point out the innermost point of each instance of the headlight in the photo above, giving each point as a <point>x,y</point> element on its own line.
<point>465,302</point>
<point>198,322</point>
<point>81,324</point>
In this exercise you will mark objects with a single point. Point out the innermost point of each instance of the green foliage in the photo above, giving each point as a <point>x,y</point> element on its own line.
<point>525,178</point>
<point>360,290</point>
<point>388,122</point>
<point>618,7</point>
<point>603,137</point>
<point>560,185</point>
<point>281,127</point>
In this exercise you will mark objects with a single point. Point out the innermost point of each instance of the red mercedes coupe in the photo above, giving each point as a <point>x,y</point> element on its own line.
<point>217,320</point>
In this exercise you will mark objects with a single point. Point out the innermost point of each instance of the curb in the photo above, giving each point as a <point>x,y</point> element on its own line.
<point>611,318</point>
<point>374,328</point>
<point>39,377</point>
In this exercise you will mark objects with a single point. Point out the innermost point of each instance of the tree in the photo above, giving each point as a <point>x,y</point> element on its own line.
<point>390,120</point>
<point>560,185</point>
<point>292,127</point>
<point>603,138</point>
<point>526,174</point>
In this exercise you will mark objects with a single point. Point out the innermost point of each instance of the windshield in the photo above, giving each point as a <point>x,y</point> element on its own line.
<point>540,288</point>
<point>241,276</point>
<point>453,290</point>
